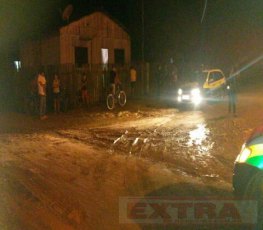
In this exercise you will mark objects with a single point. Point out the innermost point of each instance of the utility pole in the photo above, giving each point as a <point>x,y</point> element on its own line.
<point>203,32</point>
<point>143,32</point>
<point>143,66</point>
<point>204,11</point>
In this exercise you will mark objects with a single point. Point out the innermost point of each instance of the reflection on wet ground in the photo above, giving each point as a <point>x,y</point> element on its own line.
<point>186,149</point>
<point>199,139</point>
<point>184,142</point>
<point>197,136</point>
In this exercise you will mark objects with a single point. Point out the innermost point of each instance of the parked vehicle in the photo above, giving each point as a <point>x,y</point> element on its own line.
<point>207,86</point>
<point>248,172</point>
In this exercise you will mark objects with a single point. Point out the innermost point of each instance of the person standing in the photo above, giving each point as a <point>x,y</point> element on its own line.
<point>133,79</point>
<point>56,93</point>
<point>174,78</point>
<point>231,87</point>
<point>84,90</point>
<point>117,81</point>
<point>42,85</point>
<point>113,74</point>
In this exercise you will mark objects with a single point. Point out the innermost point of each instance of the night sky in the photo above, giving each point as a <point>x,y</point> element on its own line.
<point>231,32</point>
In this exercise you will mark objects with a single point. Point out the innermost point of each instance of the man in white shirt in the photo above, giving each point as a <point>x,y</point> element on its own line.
<point>41,82</point>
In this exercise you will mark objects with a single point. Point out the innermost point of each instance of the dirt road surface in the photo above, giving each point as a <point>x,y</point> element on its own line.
<point>69,171</point>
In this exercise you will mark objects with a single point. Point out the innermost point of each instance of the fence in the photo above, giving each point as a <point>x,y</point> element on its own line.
<point>98,80</point>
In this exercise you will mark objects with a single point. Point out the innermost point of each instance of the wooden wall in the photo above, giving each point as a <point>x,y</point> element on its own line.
<point>30,54</point>
<point>41,53</point>
<point>95,32</point>
<point>50,51</point>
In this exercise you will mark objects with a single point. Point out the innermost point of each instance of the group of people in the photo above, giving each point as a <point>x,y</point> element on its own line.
<point>166,78</point>
<point>42,93</point>
<point>114,81</point>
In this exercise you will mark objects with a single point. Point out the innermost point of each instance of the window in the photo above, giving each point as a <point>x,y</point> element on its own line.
<point>105,56</point>
<point>17,65</point>
<point>81,56</point>
<point>119,56</point>
<point>215,76</point>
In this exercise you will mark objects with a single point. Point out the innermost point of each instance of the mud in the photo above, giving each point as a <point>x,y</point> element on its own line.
<point>68,172</point>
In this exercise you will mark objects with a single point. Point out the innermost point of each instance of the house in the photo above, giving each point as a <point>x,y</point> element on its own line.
<point>96,39</point>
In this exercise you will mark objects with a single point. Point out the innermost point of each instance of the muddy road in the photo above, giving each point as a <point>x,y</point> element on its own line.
<point>69,171</point>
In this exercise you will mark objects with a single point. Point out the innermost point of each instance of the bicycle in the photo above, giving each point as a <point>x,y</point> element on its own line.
<point>119,97</point>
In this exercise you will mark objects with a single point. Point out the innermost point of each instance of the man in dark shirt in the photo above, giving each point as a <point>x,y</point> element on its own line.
<point>231,87</point>
<point>112,79</point>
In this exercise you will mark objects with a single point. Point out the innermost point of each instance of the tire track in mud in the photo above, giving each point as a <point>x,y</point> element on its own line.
<point>186,143</point>
<point>172,146</point>
<point>46,183</point>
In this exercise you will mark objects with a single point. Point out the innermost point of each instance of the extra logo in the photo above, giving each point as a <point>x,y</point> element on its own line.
<point>182,211</point>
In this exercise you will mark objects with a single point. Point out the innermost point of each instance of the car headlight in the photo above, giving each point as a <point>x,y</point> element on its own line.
<point>180,91</point>
<point>243,155</point>
<point>195,92</point>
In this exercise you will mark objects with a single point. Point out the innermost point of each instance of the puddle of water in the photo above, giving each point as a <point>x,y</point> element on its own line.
<point>198,138</point>
<point>135,141</point>
<point>122,138</point>
<point>145,140</point>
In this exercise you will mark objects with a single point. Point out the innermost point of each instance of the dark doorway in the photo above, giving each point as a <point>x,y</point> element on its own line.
<point>119,56</point>
<point>81,56</point>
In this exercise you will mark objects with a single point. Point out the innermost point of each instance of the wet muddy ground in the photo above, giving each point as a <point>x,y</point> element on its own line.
<point>69,171</point>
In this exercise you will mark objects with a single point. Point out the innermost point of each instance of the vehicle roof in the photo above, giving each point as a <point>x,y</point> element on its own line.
<point>212,70</point>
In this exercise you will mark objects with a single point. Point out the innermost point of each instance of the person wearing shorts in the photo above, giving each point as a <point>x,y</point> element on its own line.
<point>133,78</point>
<point>41,82</point>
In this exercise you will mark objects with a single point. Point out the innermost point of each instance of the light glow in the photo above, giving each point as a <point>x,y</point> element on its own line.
<point>17,65</point>
<point>179,99</point>
<point>180,91</point>
<point>244,154</point>
<point>195,92</point>
<point>197,100</point>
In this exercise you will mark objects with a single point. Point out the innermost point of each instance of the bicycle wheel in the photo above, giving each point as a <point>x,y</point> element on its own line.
<point>122,98</point>
<point>110,102</point>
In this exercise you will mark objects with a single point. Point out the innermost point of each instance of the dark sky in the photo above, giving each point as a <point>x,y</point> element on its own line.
<point>25,19</point>
<point>232,29</point>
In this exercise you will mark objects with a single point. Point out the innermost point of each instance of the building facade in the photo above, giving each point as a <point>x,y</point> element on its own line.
<point>96,39</point>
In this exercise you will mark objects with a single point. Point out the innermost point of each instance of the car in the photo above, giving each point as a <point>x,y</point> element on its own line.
<point>214,82</point>
<point>208,85</point>
<point>248,172</point>
<point>248,166</point>
<point>190,93</point>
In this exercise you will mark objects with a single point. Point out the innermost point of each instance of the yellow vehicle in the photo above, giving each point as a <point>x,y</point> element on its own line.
<point>214,79</point>
<point>207,86</point>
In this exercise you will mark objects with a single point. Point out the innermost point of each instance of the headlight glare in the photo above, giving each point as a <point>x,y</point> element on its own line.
<point>195,92</point>
<point>180,91</point>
